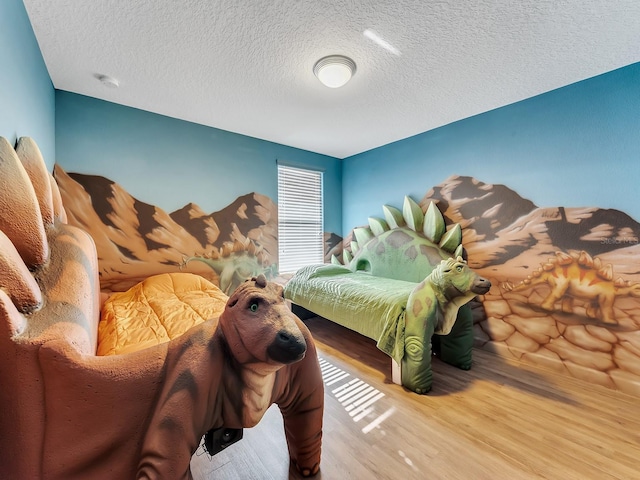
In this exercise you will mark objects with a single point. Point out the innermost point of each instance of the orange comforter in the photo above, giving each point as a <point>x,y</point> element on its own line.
<point>157,310</point>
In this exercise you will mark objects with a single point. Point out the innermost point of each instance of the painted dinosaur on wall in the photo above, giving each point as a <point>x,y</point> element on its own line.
<point>416,247</point>
<point>578,275</point>
<point>234,263</point>
<point>135,239</point>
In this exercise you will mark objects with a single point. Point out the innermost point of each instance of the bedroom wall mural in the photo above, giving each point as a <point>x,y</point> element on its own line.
<point>566,281</point>
<point>135,239</point>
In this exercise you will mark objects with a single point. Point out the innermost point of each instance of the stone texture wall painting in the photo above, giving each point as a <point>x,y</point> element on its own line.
<point>566,281</point>
<point>135,240</point>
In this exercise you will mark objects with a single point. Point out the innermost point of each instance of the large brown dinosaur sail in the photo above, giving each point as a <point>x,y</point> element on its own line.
<point>66,413</point>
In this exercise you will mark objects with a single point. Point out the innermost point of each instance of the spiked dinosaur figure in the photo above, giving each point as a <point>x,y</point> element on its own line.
<point>235,262</point>
<point>417,247</point>
<point>577,275</point>
<point>433,307</point>
<point>67,414</point>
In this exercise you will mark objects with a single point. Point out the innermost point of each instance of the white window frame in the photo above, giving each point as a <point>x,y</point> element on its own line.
<point>300,217</point>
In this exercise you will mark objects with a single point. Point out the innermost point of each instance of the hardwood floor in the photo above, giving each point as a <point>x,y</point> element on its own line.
<point>500,420</point>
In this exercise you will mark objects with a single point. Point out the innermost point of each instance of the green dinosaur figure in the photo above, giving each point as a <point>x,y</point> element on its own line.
<point>406,245</point>
<point>409,245</point>
<point>433,306</point>
<point>235,265</point>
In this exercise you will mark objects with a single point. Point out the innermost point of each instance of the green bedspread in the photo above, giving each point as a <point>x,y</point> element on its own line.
<point>370,305</point>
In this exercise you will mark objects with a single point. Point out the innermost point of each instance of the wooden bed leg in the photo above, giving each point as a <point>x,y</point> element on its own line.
<point>396,372</point>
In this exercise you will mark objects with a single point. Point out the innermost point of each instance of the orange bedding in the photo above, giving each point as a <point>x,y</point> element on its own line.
<point>156,310</point>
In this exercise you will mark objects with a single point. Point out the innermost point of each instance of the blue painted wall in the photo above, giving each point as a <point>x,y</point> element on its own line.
<point>575,146</point>
<point>27,99</point>
<point>578,146</point>
<point>169,162</point>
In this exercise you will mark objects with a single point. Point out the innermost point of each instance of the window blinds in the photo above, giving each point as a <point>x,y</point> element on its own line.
<point>300,229</point>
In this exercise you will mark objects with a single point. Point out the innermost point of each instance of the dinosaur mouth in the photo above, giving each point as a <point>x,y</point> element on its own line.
<point>287,348</point>
<point>481,286</point>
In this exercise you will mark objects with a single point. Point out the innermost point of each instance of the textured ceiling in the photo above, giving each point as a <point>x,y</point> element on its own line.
<point>246,66</point>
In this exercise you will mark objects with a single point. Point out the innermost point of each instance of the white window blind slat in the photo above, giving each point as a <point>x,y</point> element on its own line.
<point>300,218</point>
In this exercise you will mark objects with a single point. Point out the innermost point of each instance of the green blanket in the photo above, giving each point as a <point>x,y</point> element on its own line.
<point>370,305</point>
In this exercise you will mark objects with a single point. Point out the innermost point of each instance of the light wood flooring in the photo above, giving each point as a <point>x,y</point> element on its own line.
<point>500,420</point>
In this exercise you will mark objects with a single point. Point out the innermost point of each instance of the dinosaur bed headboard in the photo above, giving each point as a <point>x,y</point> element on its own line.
<point>405,245</point>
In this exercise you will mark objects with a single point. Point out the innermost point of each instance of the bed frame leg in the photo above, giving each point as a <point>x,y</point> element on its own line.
<point>396,372</point>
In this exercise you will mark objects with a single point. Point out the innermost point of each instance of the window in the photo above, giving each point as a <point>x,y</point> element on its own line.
<point>300,229</point>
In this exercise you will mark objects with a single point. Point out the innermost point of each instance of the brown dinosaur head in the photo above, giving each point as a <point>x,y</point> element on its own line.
<point>259,327</point>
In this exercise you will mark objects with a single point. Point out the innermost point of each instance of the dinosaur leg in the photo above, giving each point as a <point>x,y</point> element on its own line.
<point>567,304</point>
<point>299,393</point>
<point>192,373</point>
<point>593,309</point>
<point>419,326</point>
<point>606,309</point>
<point>456,347</point>
<point>557,292</point>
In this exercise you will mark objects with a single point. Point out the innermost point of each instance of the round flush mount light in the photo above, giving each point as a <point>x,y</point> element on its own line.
<point>335,70</point>
<point>108,81</point>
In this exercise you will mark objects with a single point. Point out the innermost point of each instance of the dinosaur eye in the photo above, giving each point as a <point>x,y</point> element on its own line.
<point>253,307</point>
<point>459,268</point>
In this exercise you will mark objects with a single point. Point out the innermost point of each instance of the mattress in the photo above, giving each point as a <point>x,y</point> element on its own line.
<point>372,306</point>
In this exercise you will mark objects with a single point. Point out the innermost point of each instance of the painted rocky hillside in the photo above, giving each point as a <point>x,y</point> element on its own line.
<point>508,239</point>
<point>135,239</point>
<point>506,235</point>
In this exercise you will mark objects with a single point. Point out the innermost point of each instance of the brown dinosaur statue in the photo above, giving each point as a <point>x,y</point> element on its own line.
<point>578,275</point>
<point>66,413</point>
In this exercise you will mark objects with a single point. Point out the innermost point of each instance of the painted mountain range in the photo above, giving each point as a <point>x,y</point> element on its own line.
<point>506,235</point>
<point>135,239</point>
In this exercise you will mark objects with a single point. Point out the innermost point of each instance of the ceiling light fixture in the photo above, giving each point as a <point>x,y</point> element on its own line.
<point>335,70</point>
